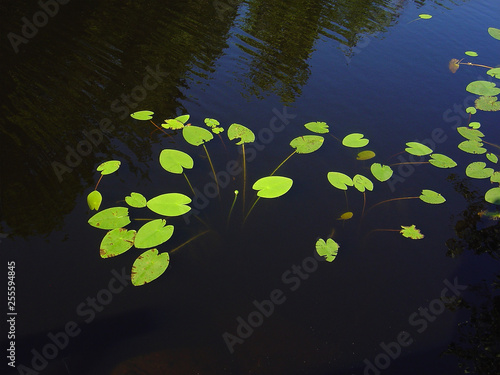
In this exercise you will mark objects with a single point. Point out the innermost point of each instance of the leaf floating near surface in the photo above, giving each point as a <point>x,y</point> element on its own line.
<point>328,249</point>
<point>195,135</point>
<point>472,147</point>
<point>453,65</point>
<point>474,124</point>
<point>365,155</point>
<point>442,161</point>
<point>175,161</point>
<point>471,110</point>
<point>306,144</point>
<point>471,53</point>
<point>495,72</point>
<point>483,88</point>
<point>495,178</point>
<point>362,183</point>
<point>431,197</point>
<point>170,204</point>
<point>214,125</point>
<point>381,172</point>
<point>172,124</point>
<point>425,16</point>
<point>110,218</point>
<point>411,232</point>
<point>142,115</point>
<point>149,266</point>
<point>317,127</point>
<point>116,242</point>
<point>492,157</point>
<point>417,149</point>
<point>94,200</point>
<point>153,233</point>
<point>478,170</point>
<point>471,134</point>
<point>339,180</point>
<point>493,196</point>
<point>242,132</point>
<point>109,167</point>
<point>272,186</point>
<point>487,103</point>
<point>355,140</point>
<point>136,200</point>
<point>494,32</point>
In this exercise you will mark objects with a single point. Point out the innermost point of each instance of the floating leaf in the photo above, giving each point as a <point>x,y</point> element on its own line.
<point>471,110</point>
<point>495,33</point>
<point>355,140</point>
<point>346,216</point>
<point>272,186</point>
<point>365,155</point>
<point>306,144</point>
<point>492,157</point>
<point>94,200</point>
<point>110,218</point>
<point>361,183</point>
<point>417,149</point>
<point>471,53</point>
<point>153,233</point>
<point>495,72</point>
<point>429,196</point>
<point>381,172</point>
<point>172,124</point>
<point>195,135</point>
<point>170,204</point>
<point>487,103</point>
<point>317,127</point>
<point>442,161</point>
<point>149,266</point>
<point>142,115</point>
<point>453,65</point>
<point>211,122</point>
<point>175,161</point>
<point>116,242</point>
<point>472,147</point>
<point>483,88</point>
<point>242,132</point>
<point>425,16</point>
<point>411,232</point>
<point>474,124</point>
<point>109,167</point>
<point>328,249</point>
<point>339,180</point>
<point>478,169</point>
<point>472,134</point>
<point>495,177</point>
<point>493,195</point>
<point>136,200</point>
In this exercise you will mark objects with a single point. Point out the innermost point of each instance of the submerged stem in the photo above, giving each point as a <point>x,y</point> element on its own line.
<point>188,241</point>
<point>244,175</point>
<point>491,144</point>
<point>160,129</point>
<point>213,170</point>
<point>232,206</point>
<point>189,183</point>
<point>100,178</point>
<point>283,162</point>
<point>251,208</point>
<point>390,200</point>
<point>410,162</point>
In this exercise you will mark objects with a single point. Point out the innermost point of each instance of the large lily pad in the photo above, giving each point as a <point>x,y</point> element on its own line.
<point>478,169</point>
<point>116,242</point>
<point>136,200</point>
<point>242,132</point>
<point>272,186</point>
<point>417,149</point>
<point>442,161</point>
<point>493,195</point>
<point>339,180</point>
<point>110,218</point>
<point>307,143</point>
<point>328,249</point>
<point>483,88</point>
<point>381,172</point>
<point>170,204</point>
<point>195,135</point>
<point>355,140</point>
<point>471,134</point>
<point>472,147</point>
<point>430,196</point>
<point>149,266</point>
<point>317,127</point>
<point>487,103</point>
<point>153,233</point>
<point>175,161</point>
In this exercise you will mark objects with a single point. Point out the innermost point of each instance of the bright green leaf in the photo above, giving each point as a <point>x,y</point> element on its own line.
<point>339,180</point>
<point>175,161</point>
<point>109,167</point>
<point>142,115</point>
<point>242,132</point>
<point>429,196</point>
<point>494,32</point>
<point>495,72</point>
<point>411,232</point>
<point>493,195</point>
<point>381,172</point>
<point>170,204</point>
<point>328,249</point>
<point>417,149</point>
<point>492,157</point>
<point>361,183</point>
<point>136,200</point>
<point>182,118</point>
<point>442,161</point>
<point>211,122</point>
<point>149,266</point>
<point>172,124</point>
<point>306,144</point>
<point>478,169</point>
<point>471,110</point>
<point>272,186</point>
<point>472,147</point>
<point>116,242</point>
<point>195,135</point>
<point>471,134</point>
<point>355,140</point>
<point>94,200</point>
<point>110,218</point>
<point>495,178</point>
<point>474,125</point>
<point>471,53</point>
<point>153,233</point>
<point>425,16</point>
<point>317,127</point>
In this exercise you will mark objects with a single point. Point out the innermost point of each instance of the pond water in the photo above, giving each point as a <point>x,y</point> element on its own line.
<point>252,298</point>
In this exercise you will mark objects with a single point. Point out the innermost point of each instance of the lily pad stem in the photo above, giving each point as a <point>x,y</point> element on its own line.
<point>232,206</point>
<point>100,178</point>
<point>188,241</point>
<point>189,183</point>
<point>283,162</point>
<point>390,200</point>
<point>410,162</point>
<point>251,208</point>
<point>213,170</point>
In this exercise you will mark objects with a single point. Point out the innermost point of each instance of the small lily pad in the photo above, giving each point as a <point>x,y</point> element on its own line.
<point>317,127</point>
<point>495,72</point>
<point>381,172</point>
<point>492,157</point>
<point>362,183</point>
<point>472,147</point>
<point>471,110</point>
<point>110,218</point>
<point>109,167</point>
<point>172,124</point>
<point>153,233</point>
<point>142,115</point>
<point>346,216</point>
<point>175,161</point>
<point>272,186</point>
<point>471,53</point>
<point>242,132</point>
<point>478,170</point>
<point>365,155</point>
<point>425,16</point>
<point>417,149</point>
<point>355,140</point>
<point>474,124</point>
<point>94,200</point>
<point>116,242</point>
<point>495,178</point>
<point>411,232</point>
<point>149,266</point>
<point>328,249</point>
<point>339,180</point>
<point>170,204</point>
<point>306,144</point>
<point>136,200</point>
<point>493,196</point>
<point>429,196</point>
<point>442,161</point>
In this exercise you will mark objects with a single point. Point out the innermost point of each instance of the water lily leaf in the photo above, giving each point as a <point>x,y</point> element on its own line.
<point>483,88</point>
<point>346,216</point>
<point>211,122</point>
<point>149,266</point>
<point>492,215</point>
<point>361,183</point>
<point>110,218</point>
<point>328,249</point>
<point>94,200</point>
<point>182,118</point>
<point>136,200</point>
<point>381,172</point>
<point>493,195</point>
<point>417,149</point>
<point>474,124</point>
<point>495,177</point>
<point>272,186</point>
<point>195,135</point>
<point>411,232</point>
<point>306,144</point>
<point>317,127</point>
<point>453,65</point>
<point>153,233</point>
<point>172,124</point>
<point>478,169</point>
<point>442,161</point>
<point>339,180</point>
<point>495,72</point>
<point>109,167</point>
<point>492,157</point>
<point>355,140</point>
<point>242,132</point>
<point>425,16</point>
<point>487,103</point>
<point>175,161</point>
<point>471,53</point>
<point>472,134</point>
<point>429,196</point>
<point>142,115</point>
<point>170,204</point>
<point>365,155</point>
<point>494,32</point>
<point>116,242</point>
<point>471,110</point>
<point>472,147</point>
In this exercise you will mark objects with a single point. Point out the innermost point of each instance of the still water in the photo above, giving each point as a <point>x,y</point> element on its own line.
<point>249,299</point>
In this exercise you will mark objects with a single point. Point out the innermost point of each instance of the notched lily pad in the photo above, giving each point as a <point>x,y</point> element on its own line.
<point>355,140</point>
<point>116,242</point>
<point>487,103</point>
<point>431,197</point>
<point>175,161</point>
<point>472,147</point>
<point>493,196</point>
<point>272,186</point>
<point>170,204</point>
<point>483,88</point>
<point>362,183</point>
<point>242,132</point>
<point>317,127</point>
<point>153,233</point>
<point>149,266</point>
<point>478,170</point>
<point>339,180</point>
<point>136,200</point>
<point>442,161</point>
<point>411,232</point>
<point>109,167</point>
<point>195,135</point>
<point>110,218</point>
<point>417,149</point>
<point>381,172</point>
<point>328,249</point>
<point>142,115</point>
<point>307,143</point>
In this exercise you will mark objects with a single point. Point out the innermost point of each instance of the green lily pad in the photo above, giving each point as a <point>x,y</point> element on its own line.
<point>109,167</point>
<point>495,178</point>
<point>487,103</point>
<point>365,155</point>
<point>381,172</point>
<point>175,161</point>
<point>425,16</point>
<point>362,183</point>
<point>195,135</point>
<point>317,127</point>
<point>471,110</point>
<point>242,132</point>
<point>94,200</point>
<point>429,196</point>
<point>170,204</point>
<point>493,195</point>
<point>172,124</point>
<point>483,88</point>
<point>272,186</point>
<point>471,53</point>
<point>328,249</point>
<point>472,147</point>
<point>116,242</point>
<point>492,157</point>
<point>474,125</point>
<point>442,161</point>
<point>471,134</point>
<point>306,144</point>
<point>110,218</point>
<point>153,233</point>
<point>214,125</point>
<point>411,232</point>
<point>417,149</point>
<point>478,169</point>
<point>339,180</point>
<point>494,32</point>
<point>142,115</point>
<point>495,72</point>
<point>136,200</point>
<point>149,266</point>
<point>355,140</point>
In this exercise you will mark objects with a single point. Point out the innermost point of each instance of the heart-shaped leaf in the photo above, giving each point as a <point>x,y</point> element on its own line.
<point>136,200</point>
<point>339,180</point>
<point>272,186</point>
<point>174,161</point>
<point>149,266</point>
<point>153,233</point>
<point>242,132</point>
<point>429,196</point>
<point>483,88</point>
<point>487,103</point>
<point>365,155</point>
<point>214,125</point>
<point>442,161</point>
<point>411,232</point>
<point>116,242</point>
<point>493,195</point>
<point>478,169</point>
<point>362,183</point>
<point>471,110</point>
<point>110,218</point>
<point>306,144</point>
<point>195,135</point>
<point>142,115</point>
<point>109,167</point>
<point>495,178</point>
<point>170,204</point>
<point>474,125</point>
<point>495,72</point>
<point>381,172</point>
<point>471,134</point>
<point>317,127</point>
<point>94,200</point>
<point>355,140</point>
<point>472,147</point>
<point>328,249</point>
<point>417,149</point>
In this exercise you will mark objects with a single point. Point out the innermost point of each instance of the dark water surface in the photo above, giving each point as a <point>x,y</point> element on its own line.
<point>360,66</point>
